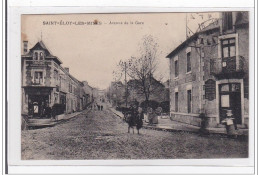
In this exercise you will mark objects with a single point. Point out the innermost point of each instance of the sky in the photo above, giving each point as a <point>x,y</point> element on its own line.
<point>92,51</point>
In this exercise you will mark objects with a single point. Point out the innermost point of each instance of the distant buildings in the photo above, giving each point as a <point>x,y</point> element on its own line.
<point>158,91</point>
<point>117,92</point>
<point>45,83</point>
<point>89,91</point>
<point>209,72</point>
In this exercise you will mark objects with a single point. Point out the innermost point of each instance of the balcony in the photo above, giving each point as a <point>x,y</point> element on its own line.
<point>38,81</point>
<point>228,68</point>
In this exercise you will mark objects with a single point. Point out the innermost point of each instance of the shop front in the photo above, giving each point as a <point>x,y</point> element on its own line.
<point>39,100</point>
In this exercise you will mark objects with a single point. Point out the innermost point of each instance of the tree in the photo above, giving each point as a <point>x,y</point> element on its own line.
<point>143,67</point>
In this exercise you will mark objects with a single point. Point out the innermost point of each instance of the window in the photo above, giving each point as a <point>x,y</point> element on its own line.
<point>38,77</point>
<point>70,88</point>
<point>188,62</point>
<point>176,68</point>
<point>189,98</point>
<point>56,76</point>
<point>228,53</point>
<point>176,101</point>
<point>228,48</point>
<point>41,56</point>
<point>201,41</point>
<point>227,21</point>
<point>36,55</point>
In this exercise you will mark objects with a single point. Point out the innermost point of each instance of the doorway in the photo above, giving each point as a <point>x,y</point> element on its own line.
<point>37,105</point>
<point>230,99</point>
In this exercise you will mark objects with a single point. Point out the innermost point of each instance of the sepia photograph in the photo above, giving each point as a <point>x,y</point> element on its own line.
<point>135,86</point>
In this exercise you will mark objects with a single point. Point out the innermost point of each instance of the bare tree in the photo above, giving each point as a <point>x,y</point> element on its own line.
<point>141,69</point>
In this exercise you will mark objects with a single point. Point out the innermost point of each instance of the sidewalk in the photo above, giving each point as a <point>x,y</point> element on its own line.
<point>63,117</point>
<point>166,124</point>
<point>67,116</point>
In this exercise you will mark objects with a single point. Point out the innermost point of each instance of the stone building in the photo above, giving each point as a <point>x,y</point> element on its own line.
<point>46,83</point>
<point>209,72</point>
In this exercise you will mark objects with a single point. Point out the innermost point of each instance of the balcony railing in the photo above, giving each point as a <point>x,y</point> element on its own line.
<point>37,82</point>
<point>228,68</point>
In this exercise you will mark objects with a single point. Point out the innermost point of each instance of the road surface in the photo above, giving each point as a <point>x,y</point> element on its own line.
<point>102,135</point>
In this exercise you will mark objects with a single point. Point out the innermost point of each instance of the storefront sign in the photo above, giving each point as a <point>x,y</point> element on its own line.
<point>210,89</point>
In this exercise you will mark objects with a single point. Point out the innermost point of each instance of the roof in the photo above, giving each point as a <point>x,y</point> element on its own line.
<point>41,46</point>
<point>182,45</point>
<point>241,20</point>
<point>213,26</point>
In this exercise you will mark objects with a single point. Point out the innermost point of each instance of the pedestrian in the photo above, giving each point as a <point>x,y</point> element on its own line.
<point>229,123</point>
<point>150,114</point>
<point>101,107</point>
<point>48,111</point>
<point>203,124</point>
<point>139,119</point>
<point>131,118</point>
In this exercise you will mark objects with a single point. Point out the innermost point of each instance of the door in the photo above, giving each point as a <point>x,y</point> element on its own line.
<point>230,99</point>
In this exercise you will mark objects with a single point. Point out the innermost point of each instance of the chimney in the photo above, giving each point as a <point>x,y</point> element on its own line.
<point>25,47</point>
<point>85,83</point>
<point>67,69</point>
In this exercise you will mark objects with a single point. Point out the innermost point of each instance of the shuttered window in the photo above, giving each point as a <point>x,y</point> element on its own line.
<point>176,68</point>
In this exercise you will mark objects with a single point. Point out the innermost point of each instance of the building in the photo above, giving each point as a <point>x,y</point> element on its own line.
<point>116,93</point>
<point>88,91</point>
<point>45,83</point>
<point>101,95</point>
<point>158,91</point>
<point>209,72</point>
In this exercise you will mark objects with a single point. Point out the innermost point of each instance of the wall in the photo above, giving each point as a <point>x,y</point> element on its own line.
<point>186,81</point>
<point>210,49</point>
<point>243,46</point>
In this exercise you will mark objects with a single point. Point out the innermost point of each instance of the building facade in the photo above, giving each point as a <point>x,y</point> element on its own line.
<point>88,90</point>
<point>45,83</point>
<point>209,72</point>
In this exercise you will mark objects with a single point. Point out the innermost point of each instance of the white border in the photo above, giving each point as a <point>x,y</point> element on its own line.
<point>14,84</point>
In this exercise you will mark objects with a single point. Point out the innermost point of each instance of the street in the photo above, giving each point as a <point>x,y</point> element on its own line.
<point>102,135</point>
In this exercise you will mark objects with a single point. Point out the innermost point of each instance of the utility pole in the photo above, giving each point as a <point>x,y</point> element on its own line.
<point>125,87</point>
